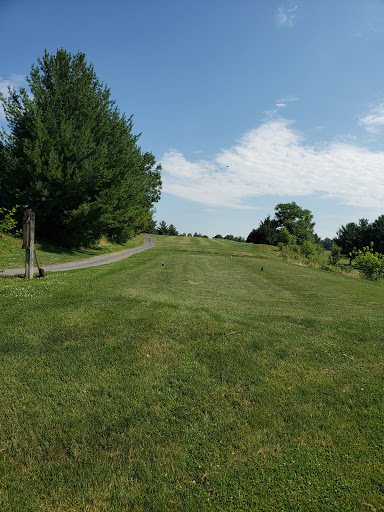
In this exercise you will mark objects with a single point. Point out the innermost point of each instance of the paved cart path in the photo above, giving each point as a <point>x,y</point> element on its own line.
<point>95,261</point>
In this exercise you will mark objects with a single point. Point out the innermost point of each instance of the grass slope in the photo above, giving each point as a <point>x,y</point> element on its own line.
<point>204,384</point>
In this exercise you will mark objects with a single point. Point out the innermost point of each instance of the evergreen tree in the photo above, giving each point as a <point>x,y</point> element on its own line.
<point>348,238</point>
<point>73,158</point>
<point>266,233</point>
<point>162,228</point>
<point>172,230</point>
<point>377,234</point>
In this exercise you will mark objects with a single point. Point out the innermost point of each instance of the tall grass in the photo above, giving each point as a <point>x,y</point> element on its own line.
<point>188,378</point>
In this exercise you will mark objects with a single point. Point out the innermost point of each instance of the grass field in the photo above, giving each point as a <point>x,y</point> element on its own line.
<point>202,384</point>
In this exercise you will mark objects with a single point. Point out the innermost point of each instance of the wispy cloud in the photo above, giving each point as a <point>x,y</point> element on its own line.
<point>373,122</point>
<point>5,83</point>
<point>286,16</point>
<point>279,105</point>
<point>273,160</point>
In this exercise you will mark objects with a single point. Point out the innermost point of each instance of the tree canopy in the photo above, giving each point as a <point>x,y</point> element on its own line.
<point>72,157</point>
<point>298,221</point>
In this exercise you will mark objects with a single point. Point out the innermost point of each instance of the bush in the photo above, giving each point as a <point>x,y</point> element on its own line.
<point>335,255</point>
<point>309,251</point>
<point>370,263</point>
<point>7,224</point>
<point>285,237</point>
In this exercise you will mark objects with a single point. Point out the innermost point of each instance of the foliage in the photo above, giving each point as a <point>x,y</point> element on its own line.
<point>327,243</point>
<point>284,237</point>
<point>8,225</point>
<point>234,238</point>
<point>354,237</point>
<point>73,158</point>
<point>266,233</point>
<point>298,221</point>
<point>172,230</point>
<point>348,238</point>
<point>163,229</point>
<point>335,255</point>
<point>310,251</point>
<point>377,233</point>
<point>8,222</point>
<point>370,263</point>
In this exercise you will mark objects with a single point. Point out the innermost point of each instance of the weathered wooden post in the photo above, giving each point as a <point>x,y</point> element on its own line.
<point>29,241</point>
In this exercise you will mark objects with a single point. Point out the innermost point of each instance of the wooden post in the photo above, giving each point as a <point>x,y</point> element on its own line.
<point>29,241</point>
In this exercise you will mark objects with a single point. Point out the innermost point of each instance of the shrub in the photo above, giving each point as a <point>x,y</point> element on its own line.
<point>285,237</point>
<point>335,255</point>
<point>370,263</point>
<point>8,225</point>
<point>309,251</point>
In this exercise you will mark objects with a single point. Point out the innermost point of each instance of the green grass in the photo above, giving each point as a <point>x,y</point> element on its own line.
<point>204,384</point>
<point>13,256</point>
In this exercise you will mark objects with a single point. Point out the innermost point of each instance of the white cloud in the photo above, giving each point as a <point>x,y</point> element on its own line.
<point>12,81</point>
<point>273,160</point>
<point>286,16</point>
<point>374,121</point>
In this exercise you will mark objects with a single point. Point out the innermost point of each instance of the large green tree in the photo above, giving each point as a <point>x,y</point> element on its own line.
<point>297,220</point>
<point>71,155</point>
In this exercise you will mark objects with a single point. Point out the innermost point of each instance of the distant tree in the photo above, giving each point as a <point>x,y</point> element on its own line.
<point>377,234</point>
<point>298,221</point>
<point>162,228</point>
<point>365,233</point>
<point>327,243</point>
<point>266,233</point>
<point>172,230</point>
<point>72,156</point>
<point>348,238</point>
<point>218,236</point>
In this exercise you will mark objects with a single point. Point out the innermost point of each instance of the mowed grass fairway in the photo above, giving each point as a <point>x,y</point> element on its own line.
<point>203,384</point>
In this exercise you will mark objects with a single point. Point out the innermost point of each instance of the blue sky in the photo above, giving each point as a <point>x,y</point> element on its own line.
<point>246,103</point>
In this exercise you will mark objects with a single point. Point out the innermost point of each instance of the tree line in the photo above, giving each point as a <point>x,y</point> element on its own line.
<point>354,237</point>
<point>163,229</point>
<point>73,157</point>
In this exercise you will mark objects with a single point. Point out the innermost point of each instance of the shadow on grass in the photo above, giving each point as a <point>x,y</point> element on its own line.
<point>48,247</point>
